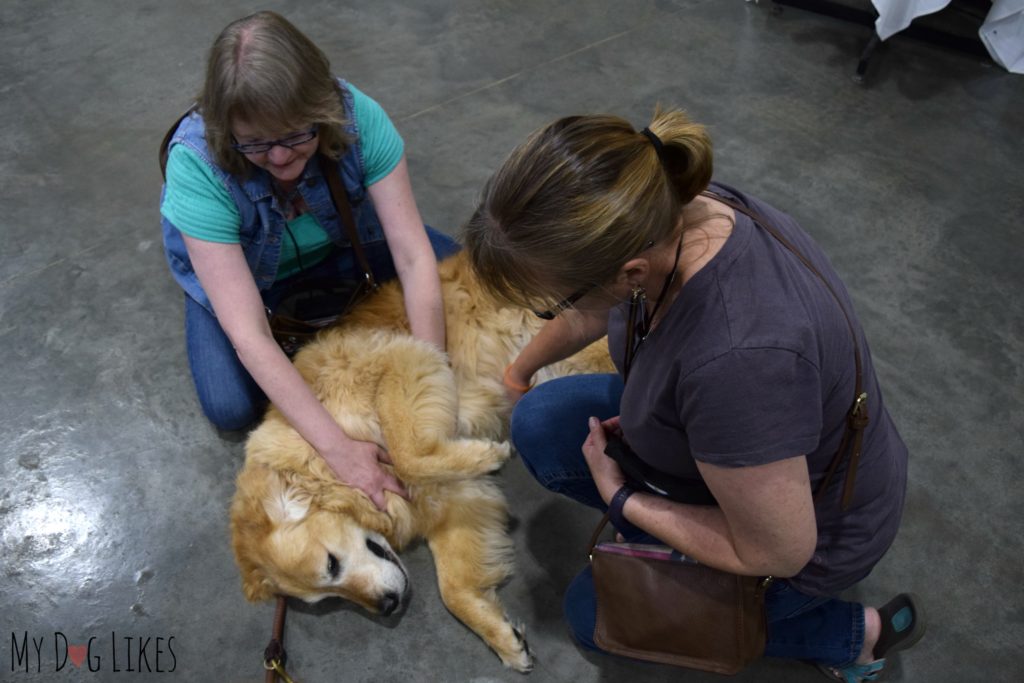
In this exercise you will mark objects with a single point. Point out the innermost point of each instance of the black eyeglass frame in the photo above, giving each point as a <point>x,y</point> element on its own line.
<point>565,303</point>
<point>289,141</point>
<point>568,301</point>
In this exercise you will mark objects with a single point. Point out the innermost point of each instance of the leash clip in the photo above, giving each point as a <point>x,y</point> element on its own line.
<point>277,666</point>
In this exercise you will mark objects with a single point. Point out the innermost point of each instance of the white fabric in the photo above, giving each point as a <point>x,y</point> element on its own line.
<point>896,15</point>
<point>1003,34</point>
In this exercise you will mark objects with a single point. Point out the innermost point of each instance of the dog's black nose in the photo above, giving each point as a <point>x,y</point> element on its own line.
<point>389,603</point>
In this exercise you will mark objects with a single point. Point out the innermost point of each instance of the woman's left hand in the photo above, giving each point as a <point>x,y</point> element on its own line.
<point>606,472</point>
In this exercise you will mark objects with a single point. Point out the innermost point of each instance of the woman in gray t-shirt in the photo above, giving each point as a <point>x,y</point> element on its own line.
<point>740,358</point>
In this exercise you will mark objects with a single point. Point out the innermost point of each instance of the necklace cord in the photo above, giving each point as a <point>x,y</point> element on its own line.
<point>638,302</point>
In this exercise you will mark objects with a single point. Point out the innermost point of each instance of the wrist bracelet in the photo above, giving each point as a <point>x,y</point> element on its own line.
<point>507,381</point>
<point>615,506</point>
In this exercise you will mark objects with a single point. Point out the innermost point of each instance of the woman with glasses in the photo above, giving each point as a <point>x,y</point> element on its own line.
<point>737,376</point>
<point>247,211</point>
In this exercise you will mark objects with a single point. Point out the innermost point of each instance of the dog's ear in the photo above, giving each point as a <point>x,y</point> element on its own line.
<point>284,502</point>
<point>256,586</point>
<point>261,502</point>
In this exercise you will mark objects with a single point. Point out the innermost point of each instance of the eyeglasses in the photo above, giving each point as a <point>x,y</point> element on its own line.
<point>289,141</point>
<point>568,301</point>
<point>563,304</point>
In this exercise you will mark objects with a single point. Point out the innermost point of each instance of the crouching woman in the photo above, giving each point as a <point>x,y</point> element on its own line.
<point>742,366</point>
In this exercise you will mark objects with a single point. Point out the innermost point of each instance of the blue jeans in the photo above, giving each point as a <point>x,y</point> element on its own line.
<point>228,395</point>
<point>549,426</point>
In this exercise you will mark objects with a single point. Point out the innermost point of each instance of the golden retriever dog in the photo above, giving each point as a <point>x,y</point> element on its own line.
<point>298,531</point>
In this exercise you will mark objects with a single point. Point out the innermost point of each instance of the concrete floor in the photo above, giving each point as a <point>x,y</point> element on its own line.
<point>115,488</point>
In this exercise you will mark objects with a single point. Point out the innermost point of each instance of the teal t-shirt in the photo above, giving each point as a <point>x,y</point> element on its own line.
<point>196,203</point>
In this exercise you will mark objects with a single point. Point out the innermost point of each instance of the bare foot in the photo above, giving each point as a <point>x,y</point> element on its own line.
<point>872,629</point>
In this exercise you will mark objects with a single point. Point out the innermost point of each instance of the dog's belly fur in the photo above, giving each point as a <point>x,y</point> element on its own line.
<point>444,429</point>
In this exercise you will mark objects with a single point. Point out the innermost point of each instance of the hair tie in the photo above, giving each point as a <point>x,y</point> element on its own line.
<point>659,147</point>
<point>507,381</point>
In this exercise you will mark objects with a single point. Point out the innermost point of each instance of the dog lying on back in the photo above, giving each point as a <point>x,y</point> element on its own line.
<point>297,531</point>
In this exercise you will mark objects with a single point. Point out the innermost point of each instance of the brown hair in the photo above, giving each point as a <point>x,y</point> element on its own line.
<point>264,71</point>
<point>581,197</point>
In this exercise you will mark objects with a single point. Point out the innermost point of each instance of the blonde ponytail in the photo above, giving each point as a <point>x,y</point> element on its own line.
<point>686,152</point>
<point>581,197</point>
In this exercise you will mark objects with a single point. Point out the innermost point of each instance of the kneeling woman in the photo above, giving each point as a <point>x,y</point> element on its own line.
<point>741,374</point>
<point>248,217</point>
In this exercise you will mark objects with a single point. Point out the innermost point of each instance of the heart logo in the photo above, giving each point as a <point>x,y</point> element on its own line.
<point>77,654</point>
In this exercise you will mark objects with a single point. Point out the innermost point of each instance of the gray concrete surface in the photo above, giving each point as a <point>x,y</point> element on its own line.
<point>115,489</point>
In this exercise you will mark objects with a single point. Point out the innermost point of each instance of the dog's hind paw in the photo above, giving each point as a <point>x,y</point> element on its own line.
<point>520,658</point>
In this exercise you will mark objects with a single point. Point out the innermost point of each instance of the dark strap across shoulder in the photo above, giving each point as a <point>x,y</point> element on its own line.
<point>344,208</point>
<point>857,418</point>
<point>165,144</point>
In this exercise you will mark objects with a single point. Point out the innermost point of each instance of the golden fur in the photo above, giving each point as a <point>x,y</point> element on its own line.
<point>444,428</point>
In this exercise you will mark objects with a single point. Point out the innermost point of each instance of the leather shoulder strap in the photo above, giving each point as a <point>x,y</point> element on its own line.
<point>857,419</point>
<point>597,533</point>
<point>344,208</point>
<point>165,144</point>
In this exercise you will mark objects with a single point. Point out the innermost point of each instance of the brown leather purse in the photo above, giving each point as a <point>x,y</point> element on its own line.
<point>657,605</point>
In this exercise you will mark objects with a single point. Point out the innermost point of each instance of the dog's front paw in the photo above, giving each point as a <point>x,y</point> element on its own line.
<point>487,456</point>
<point>519,656</point>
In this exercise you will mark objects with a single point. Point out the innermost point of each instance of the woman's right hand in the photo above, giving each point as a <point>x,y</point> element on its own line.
<point>358,464</point>
<point>515,386</point>
<point>557,339</point>
<point>513,396</point>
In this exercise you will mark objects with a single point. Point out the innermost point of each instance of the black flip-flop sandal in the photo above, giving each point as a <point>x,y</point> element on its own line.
<point>903,624</point>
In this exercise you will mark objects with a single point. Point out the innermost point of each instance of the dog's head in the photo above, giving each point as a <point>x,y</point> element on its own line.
<point>291,541</point>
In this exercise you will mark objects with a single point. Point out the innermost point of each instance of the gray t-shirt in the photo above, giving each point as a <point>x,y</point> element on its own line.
<point>753,363</point>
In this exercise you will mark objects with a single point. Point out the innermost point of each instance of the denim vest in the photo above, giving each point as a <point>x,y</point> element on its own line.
<point>262,220</point>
